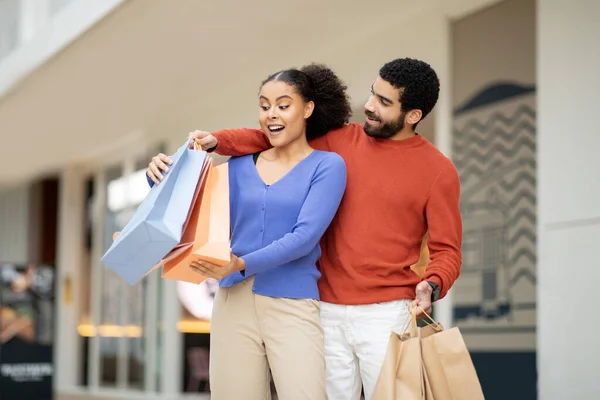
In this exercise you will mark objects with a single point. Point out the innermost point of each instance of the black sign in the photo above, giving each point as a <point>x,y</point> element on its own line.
<point>26,332</point>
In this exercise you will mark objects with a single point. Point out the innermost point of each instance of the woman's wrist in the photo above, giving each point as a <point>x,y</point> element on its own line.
<point>240,264</point>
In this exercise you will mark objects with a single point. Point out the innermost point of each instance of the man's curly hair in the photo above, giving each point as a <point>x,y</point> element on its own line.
<point>418,82</point>
<point>318,83</point>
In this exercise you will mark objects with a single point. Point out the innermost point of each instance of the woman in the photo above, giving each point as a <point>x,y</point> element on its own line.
<point>266,312</point>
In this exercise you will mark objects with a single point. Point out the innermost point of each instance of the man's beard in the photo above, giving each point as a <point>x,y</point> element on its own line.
<point>384,130</point>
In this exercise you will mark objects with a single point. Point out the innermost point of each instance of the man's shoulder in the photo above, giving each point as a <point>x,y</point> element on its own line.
<point>435,156</point>
<point>351,128</point>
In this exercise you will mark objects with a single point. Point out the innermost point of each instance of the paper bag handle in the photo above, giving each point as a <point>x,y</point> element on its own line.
<point>412,322</point>
<point>428,319</point>
<point>194,145</point>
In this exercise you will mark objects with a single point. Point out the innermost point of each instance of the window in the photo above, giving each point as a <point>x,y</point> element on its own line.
<point>10,12</point>
<point>58,5</point>
<point>471,251</point>
<point>123,330</point>
<point>119,323</point>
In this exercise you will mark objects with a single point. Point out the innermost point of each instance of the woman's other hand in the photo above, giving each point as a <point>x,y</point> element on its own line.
<point>210,270</point>
<point>159,164</point>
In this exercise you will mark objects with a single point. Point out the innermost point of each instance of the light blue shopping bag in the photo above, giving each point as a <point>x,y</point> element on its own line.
<point>156,226</point>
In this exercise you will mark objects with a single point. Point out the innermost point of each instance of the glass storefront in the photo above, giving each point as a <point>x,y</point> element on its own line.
<point>119,324</point>
<point>121,327</point>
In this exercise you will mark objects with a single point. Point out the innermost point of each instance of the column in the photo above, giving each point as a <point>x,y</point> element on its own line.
<point>69,256</point>
<point>171,351</point>
<point>172,345</point>
<point>443,129</point>
<point>33,16</point>
<point>568,61</point>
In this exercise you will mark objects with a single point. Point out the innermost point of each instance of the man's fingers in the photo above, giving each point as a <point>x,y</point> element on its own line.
<point>203,139</point>
<point>198,134</point>
<point>420,305</point>
<point>207,142</point>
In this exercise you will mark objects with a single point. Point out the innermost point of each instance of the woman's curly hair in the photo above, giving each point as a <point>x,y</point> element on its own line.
<point>319,84</point>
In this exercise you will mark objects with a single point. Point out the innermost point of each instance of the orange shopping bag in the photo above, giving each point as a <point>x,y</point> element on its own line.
<point>206,236</point>
<point>216,248</point>
<point>188,237</point>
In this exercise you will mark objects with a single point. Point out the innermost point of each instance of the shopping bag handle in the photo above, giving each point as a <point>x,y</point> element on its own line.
<point>428,320</point>
<point>194,145</point>
<point>411,322</point>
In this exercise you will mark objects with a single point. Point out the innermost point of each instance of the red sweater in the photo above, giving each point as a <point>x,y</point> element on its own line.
<point>396,192</point>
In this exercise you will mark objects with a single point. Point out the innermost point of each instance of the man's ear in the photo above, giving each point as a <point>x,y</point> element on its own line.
<point>413,116</point>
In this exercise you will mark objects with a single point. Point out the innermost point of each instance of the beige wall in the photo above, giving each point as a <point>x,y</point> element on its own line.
<point>357,61</point>
<point>498,42</point>
<point>152,70</point>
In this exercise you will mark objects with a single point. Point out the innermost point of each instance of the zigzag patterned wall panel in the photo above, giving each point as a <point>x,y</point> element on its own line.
<point>494,150</point>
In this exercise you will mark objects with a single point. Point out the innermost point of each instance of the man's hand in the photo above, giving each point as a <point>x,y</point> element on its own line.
<point>209,270</point>
<point>423,298</point>
<point>205,139</point>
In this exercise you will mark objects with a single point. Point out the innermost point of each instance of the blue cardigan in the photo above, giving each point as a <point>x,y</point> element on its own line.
<point>276,229</point>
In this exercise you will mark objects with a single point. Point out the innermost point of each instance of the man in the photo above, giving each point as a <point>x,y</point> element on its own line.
<point>399,188</point>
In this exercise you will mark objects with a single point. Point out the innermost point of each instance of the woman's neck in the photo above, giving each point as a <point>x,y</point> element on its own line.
<point>293,151</point>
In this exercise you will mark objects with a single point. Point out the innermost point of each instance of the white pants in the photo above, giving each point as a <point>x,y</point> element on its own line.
<point>356,340</point>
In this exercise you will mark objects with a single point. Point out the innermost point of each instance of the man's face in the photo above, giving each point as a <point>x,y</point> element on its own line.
<point>384,113</point>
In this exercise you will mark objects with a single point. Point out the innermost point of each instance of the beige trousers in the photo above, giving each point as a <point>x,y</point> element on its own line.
<point>251,334</point>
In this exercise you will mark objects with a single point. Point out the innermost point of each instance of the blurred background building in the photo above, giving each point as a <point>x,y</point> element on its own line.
<point>90,90</point>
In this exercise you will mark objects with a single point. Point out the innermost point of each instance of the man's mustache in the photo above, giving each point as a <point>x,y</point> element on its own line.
<point>372,115</point>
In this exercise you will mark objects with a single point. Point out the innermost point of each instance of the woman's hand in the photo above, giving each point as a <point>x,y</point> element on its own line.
<point>159,164</point>
<point>209,270</point>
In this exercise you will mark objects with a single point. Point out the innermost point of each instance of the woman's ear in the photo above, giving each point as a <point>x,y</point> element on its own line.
<point>308,109</point>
